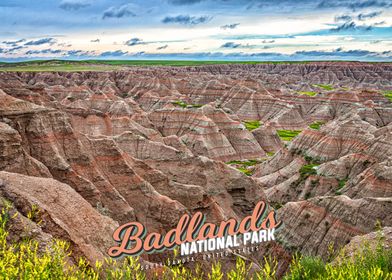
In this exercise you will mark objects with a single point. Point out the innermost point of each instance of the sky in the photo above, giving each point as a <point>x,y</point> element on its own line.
<point>239,30</point>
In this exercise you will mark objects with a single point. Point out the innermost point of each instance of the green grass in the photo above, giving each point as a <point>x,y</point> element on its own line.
<point>110,65</point>
<point>312,160</point>
<point>388,94</point>
<point>307,170</point>
<point>365,263</point>
<point>180,104</point>
<point>316,125</point>
<point>288,135</point>
<point>23,260</point>
<point>246,171</point>
<point>252,125</point>
<point>58,68</point>
<point>185,105</point>
<point>245,165</point>
<point>341,185</point>
<point>324,86</point>
<point>250,162</point>
<point>308,93</point>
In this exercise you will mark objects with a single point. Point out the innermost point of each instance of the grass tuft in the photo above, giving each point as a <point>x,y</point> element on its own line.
<point>316,125</point>
<point>288,135</point>
<point>341,185</point>
<point>252,125</point>
<point>308,169</point>
<point>364,264</point>
<point>324,86</point>
<point>245,166</point>
<point>185,105</point>
<point>308,93</point>
<point>388,94</point>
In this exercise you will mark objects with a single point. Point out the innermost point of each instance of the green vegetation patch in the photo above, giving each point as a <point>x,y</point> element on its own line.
<point>246,171</point>
<point>341,185</point>
<point>288,135</point>
<point>180,103</point>
<point>245,166</point>
<point>312,160</point>
<point>324,86</point>
<point>316,125</point>
<point>185,105</point>
<point>276,205</point>
<point>388,94</point>
<point>57,68</point>
<point>250,162</point>
<point>308,169</point>
<point>367,262</point>
<point>252,125</point>
<point>308,93</point>
<point>55,65</point>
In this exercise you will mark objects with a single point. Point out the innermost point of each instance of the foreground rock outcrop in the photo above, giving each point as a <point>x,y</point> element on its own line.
<point>62,214</point>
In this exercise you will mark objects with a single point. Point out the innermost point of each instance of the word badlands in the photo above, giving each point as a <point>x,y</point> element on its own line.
<point>194,235</point>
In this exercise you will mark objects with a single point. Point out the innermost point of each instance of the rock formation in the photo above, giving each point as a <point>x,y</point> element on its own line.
<point>96,149</point>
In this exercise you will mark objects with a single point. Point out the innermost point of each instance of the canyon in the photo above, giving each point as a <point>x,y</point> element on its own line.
<point>94,150</point>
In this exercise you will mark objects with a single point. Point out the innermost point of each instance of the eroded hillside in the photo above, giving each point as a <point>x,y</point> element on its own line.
<point>152,143</point>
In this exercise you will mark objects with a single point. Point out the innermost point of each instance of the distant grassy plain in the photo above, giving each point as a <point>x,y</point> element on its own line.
<point>109,65</point>
<point>102,65</point>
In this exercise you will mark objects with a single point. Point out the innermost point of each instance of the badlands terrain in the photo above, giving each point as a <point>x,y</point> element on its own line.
<point>89,151</point>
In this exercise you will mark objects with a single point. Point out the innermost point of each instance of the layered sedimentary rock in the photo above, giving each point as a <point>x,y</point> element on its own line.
<point>314,225</point>
<point>150,144</point>
<point>381,237</point>
<point>63,213</point>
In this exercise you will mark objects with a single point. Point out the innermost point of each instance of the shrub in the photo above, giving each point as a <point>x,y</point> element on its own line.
<point>276,205</point>
<point>316,125</point>
<point>312,160</point>
<point>241,271</point>
<point>341,185</point>
<point>314,183</point>
<point>307,170</point>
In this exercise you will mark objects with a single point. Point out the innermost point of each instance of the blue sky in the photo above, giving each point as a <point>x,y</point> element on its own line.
<point>196,29</point>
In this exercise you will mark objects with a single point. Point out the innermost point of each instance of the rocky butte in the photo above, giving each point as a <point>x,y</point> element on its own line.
<point>96,150</point>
